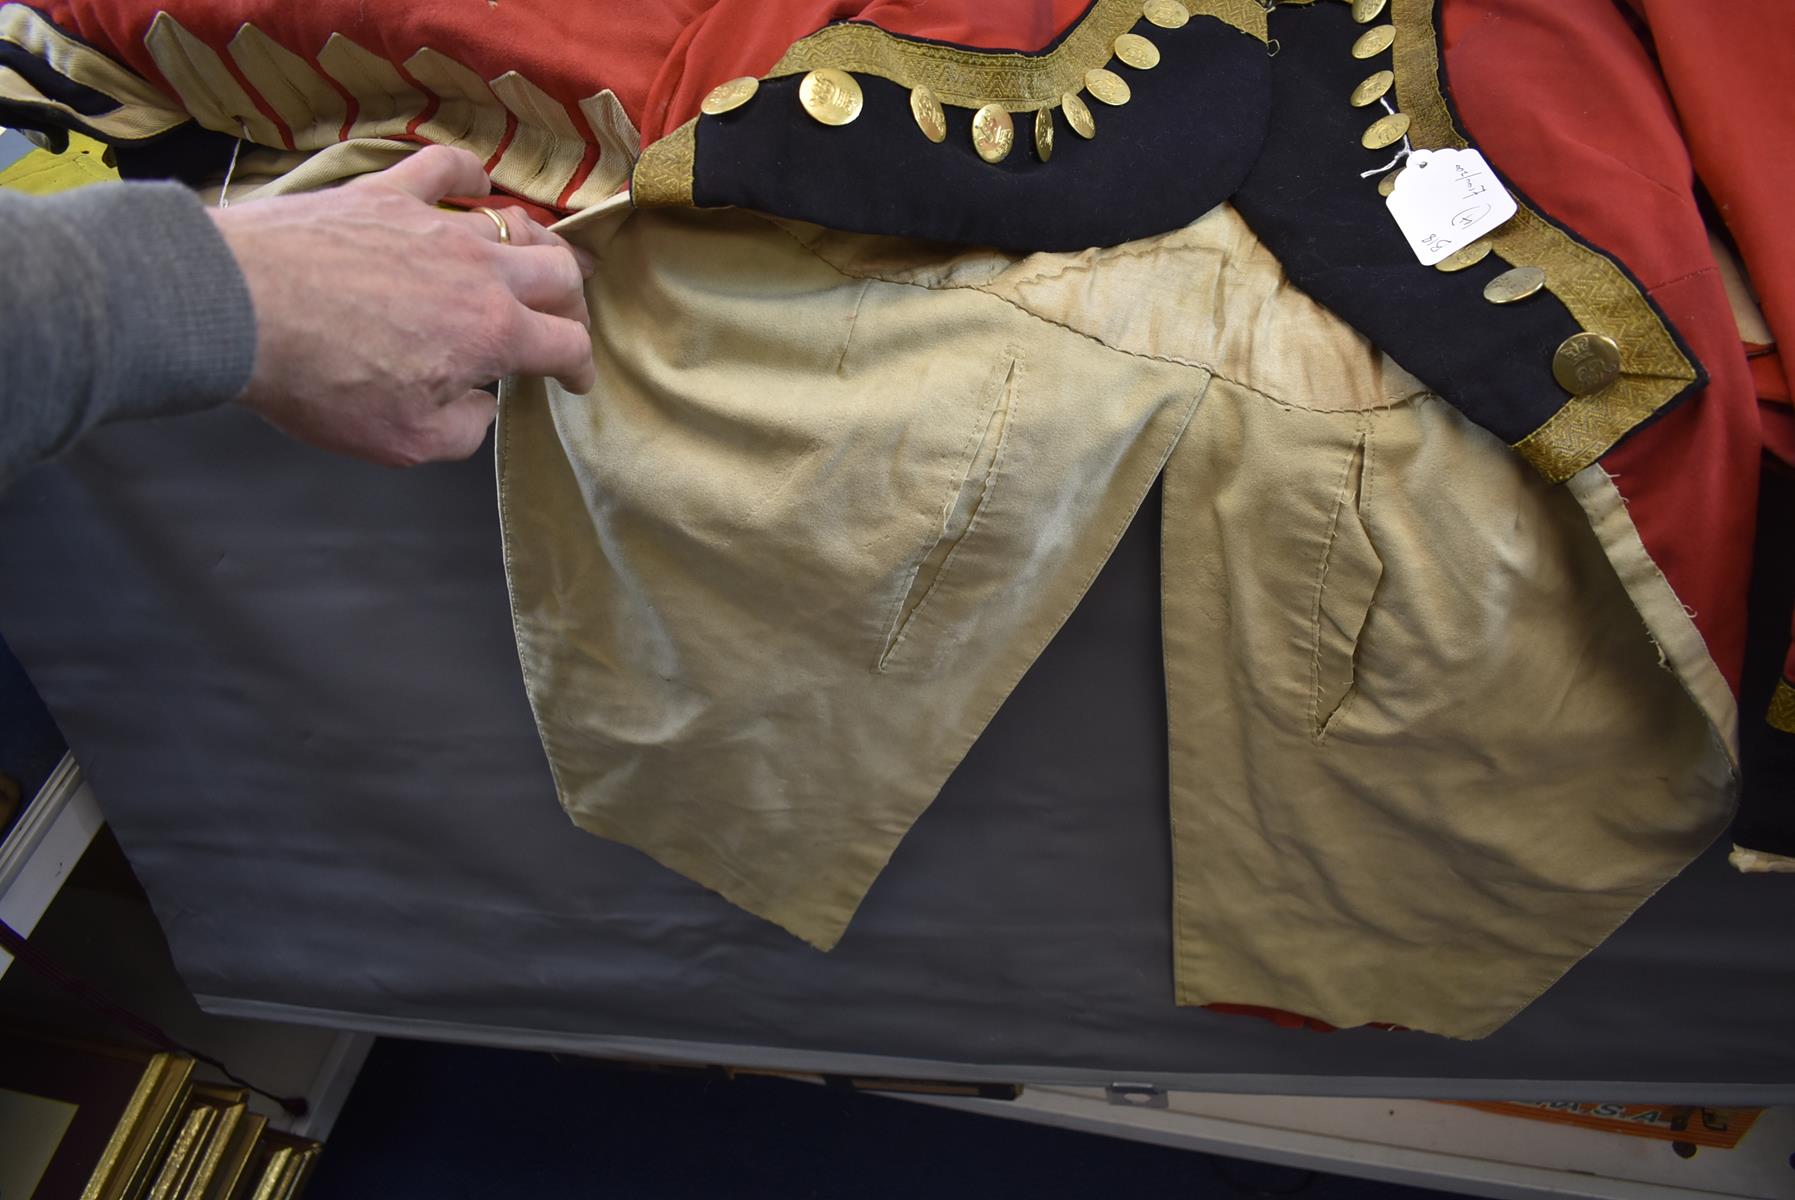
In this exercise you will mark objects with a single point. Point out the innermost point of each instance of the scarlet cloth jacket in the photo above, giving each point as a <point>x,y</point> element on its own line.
<point>906,308</point>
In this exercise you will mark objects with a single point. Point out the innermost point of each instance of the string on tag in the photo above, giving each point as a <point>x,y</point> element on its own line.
<point>1402,151</point>
<point>224,191</point>
<point>1446,199</point>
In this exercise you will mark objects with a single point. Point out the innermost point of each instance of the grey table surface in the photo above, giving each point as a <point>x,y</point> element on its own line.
<point>291,680</point>
<point>13,147</point>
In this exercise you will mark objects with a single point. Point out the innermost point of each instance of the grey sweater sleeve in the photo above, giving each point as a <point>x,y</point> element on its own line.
<point>117,300</point>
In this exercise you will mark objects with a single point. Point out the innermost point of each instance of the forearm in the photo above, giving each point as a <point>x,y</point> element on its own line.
<point>115,301</point>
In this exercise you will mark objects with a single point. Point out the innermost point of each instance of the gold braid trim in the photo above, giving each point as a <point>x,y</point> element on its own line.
<point>663,175</point>
<point>1782,707</point>
<point>967,78</point>
<point>973,78</point>
<point>1597,293</point>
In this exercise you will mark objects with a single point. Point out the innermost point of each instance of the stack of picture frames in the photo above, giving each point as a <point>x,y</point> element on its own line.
<point>83,1121</point>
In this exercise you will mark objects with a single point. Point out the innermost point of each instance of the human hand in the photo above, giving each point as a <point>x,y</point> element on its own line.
<point>379,315</point>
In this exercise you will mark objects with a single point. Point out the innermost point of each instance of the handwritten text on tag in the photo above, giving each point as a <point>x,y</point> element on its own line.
<point>1445,200</point>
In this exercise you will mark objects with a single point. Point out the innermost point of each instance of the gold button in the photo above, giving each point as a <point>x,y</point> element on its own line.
<point>927,111</point>
<point>1372,88</point>
<point>1137,51</point>
<point>1107,86</point>
<point>993,133</point>
<point>832,97</point>
<point>1387,130</point>
<point>1387,184</point>
<point>1044,133</point>
<point>1586,362</point>
<point>1367,11</point>
<point>1465,256</point>
<point>726,97</point>
<point>1516,284</point>
<point>1373,41</point>
<point>1078,115</point>
<point>1167,14</point>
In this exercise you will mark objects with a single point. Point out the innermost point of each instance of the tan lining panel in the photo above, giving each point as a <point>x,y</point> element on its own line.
<point>467,113</point>
<point>208,89</point>
<point>618,144</point>
<point>546,149</point>
<point>385,103</point>
<point>27,29</point>
<point>312,109</point>
<point>127,124</point>
<point>1747,861</point>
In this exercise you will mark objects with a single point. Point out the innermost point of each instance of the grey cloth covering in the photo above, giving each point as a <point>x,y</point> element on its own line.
<point>117,300</point>
<point>291,680</point>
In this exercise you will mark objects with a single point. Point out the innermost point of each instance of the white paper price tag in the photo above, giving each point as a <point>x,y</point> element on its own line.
<point>1446,199</point>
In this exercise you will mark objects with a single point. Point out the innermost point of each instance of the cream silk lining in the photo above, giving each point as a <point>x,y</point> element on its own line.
<point>832,494</point>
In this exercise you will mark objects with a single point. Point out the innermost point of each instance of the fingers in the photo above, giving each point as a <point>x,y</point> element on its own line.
<point>554,346</point>
<point>526,232</point>
<point>545,278</point>
<point>486,229</point>
<point>538,267</point>
<point>435,172</point>
<point>462,423</point>
<point>438,171</point>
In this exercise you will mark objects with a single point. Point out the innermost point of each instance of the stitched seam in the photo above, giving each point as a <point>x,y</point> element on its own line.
<point>1009,401</point>
<point>550,147</point>
<point>517,630</point>
<point>1684,278</point>
<point>1138,249</point>
<point>1651,181</point>
<point>1019,307</point>
<point>853,323</point>
<point>1367,474</point>
<point>894,623</point>
<point>1362,513</point>
<point>269,69</point>
<point>1173,778</point>
<point>1115,533</point>
<point>1317,727</point>
<point>956,751</point>
<point>1208,368</point>
<point>1180,945</point>
<point>198,76</point>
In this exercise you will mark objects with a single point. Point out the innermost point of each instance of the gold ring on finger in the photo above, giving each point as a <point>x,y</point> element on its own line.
<point>498,218</point>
